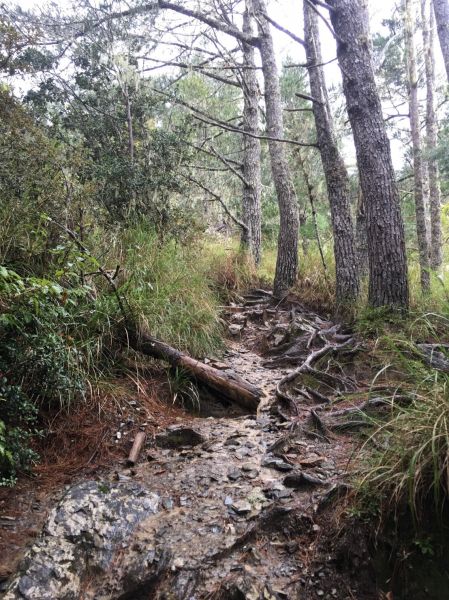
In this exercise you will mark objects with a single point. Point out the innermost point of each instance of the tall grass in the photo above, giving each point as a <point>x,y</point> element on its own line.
<point>411,463</point>
<point>170,291</point>
<point>405,462</point>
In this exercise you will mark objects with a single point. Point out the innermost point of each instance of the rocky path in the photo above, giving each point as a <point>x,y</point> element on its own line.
<point>235,507</point>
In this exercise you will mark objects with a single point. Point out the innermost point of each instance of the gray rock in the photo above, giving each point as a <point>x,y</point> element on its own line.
<point>276,463</point>
<point>82,535</point>
<point>181,436</point>
<point>242,507</point>
<point>234,474</point>
<point>300,480</point>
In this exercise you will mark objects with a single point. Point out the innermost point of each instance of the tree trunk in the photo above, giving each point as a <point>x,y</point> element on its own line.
<point>251,238</point>
<point>388,285</point>
<point>361,237</point>
<point>312,201</point>
<point>287,255</point>
<point>129,122</point>
<point>337,181</point>
<point>431,136</point>
<point>420,211</point>
<point>441,9</point>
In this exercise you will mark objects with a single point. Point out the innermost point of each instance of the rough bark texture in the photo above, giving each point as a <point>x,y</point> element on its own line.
<point>431,136</point>
<point>287,256</point>
<point>361,237</point>
<point>251,238</point>
<point>337,181</point>
<point>420,212</point>
<point>388,285</point>
<point>441,8</point>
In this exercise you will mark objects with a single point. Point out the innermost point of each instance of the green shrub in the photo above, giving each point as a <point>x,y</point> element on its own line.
<point>17,427</point>
<point>39,360</point>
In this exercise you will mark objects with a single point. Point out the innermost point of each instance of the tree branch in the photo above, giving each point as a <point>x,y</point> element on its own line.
<point>307,97</point>
<point>211,21</point>
<point>292,35</point>
<point>204,118</point>
<point>218,199</point>
<point>230,167</point>
<point>324,5</point>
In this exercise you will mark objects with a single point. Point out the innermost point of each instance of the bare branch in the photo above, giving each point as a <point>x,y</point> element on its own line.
<point>324,5</point>
<point>218,199</point>
<point>292,35</point>
<point>307,97</point>
<point>203,117</point>
<point>211,21</point>
<point>230,167</point>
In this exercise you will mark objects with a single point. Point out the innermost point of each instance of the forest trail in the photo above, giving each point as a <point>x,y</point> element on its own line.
<point>238,506</point>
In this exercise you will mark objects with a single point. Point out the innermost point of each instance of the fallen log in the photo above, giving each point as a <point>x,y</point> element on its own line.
<point>139,441</point>
<point>227,384</point>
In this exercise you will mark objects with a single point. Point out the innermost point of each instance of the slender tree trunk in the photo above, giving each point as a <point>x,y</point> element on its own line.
<point>251,238</point>
<point>312,200</point>
<point>302,223</point>
<point>129,121</point>
<point>287,256</point>
<point>428,33</point>
<point>420,211</point>
<point>337,181</point>
<point>388,285</point>
<point>441,9</point>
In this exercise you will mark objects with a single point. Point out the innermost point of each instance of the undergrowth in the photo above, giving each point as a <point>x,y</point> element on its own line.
<point>58,334</point>
<point>170,291</point>
<point>405,461</point>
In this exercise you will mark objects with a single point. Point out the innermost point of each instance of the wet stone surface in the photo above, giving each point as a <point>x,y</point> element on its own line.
<point>83,533</point>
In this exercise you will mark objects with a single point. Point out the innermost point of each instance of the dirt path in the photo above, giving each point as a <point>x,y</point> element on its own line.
<point>235,507</point>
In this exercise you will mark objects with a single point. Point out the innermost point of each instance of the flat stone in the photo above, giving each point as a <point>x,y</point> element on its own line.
<point>234,474</point>
<point>276,463</point>
<point>181,436</point>
<point>299,479</point>
<point>242,507</point>
<point>249,467</point>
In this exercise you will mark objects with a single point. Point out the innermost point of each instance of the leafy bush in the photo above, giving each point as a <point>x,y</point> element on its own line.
<point>39,360</point>
<point>17,427</point>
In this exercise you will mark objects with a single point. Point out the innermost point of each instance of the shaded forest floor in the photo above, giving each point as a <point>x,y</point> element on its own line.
<point>251,505</point>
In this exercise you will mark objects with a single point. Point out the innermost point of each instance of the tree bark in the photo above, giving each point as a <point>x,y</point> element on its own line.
<point>428,23</point>
<point>420,211</point>
<point>388,285</point>
<point>252,187</point>
<point>287,255</point>
<point>337,181</point>
<point>361,237</point>
<point>441,9</point>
